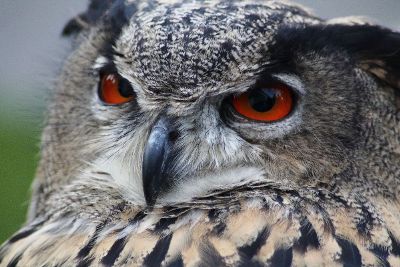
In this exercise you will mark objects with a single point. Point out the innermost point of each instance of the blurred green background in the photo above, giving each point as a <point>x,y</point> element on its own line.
<point>31,53</point>
<point>18,157</point>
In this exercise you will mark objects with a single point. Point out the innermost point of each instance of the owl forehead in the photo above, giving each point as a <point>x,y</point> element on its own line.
<point>188,47</point>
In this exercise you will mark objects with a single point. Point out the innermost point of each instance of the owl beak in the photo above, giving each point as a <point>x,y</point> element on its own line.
<point>156,159</point>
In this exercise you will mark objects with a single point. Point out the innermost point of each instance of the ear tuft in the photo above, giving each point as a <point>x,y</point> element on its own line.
<point>381,55</point>
<point>374,48</point>
<point>350,21</point>
<point>96,9</point>
<point>377,50</point>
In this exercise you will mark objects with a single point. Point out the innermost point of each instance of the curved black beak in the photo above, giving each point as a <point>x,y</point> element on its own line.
<point>156,158</point>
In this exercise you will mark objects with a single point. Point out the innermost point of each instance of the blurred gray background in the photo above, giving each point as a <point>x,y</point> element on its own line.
<point>31,52</point>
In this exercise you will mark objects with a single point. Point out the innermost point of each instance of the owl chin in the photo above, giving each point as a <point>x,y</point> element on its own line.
<point>209,183</point>
<point>162,186</point>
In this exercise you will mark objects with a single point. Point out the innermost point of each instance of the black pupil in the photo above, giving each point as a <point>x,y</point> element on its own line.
<point>263,99</point>
<point>125,88</point>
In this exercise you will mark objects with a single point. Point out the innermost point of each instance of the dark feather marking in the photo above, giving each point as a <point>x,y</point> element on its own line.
<point>118,245</point>
<point>138,217</point>
<point>14,261</point>
<point>90,244</point>
<point>395,245</point>
<point>382,254</point>
<point>210,256</point>
<point>250,250</point>
<point>164,223</point>
<point>21,235</point>
<point>339,199</point>
<point>26,233</point>
<point>308,237</point>
<point>214,216</point>
<point>115,249</point>
<point>282,258</point>
<point>328,224</point>
<point>219,228</point>
<point>365,222</point>
<point>157,255</point>
<point>85,262</point>
<point>279,199</point>
<point>114,252</point>
<point>350,254</point>
<point>178,262</point>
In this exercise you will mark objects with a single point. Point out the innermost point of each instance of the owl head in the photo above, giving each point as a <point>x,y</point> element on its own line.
<point>165,103</point>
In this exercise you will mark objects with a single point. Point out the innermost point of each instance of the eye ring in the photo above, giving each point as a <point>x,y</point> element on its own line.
<point>114,90</point>
<point>266,102</point>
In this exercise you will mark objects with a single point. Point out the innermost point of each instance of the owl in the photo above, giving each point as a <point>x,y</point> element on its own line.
<point>218,133</point>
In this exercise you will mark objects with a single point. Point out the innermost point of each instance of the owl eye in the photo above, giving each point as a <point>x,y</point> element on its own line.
<point>114,90</point>
<point>266,102</point>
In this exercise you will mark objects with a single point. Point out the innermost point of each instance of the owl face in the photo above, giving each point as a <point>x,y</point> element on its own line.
<point>172,102</point>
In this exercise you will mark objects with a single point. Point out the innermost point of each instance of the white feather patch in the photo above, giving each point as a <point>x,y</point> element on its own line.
<point>218,180</point>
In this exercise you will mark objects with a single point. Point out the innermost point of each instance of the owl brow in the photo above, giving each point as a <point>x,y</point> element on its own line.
<point>100,62</point>
<point>103,64</point>
<point>359,39</point>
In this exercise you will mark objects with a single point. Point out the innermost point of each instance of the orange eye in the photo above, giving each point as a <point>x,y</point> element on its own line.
<point>115,90</point>
<point>266,102</point>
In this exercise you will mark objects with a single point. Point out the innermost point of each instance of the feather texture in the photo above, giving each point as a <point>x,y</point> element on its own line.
<point>286,229</point>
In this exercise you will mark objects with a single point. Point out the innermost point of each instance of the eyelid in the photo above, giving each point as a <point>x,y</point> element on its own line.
<point>292,81</point>
<point>109,68</point>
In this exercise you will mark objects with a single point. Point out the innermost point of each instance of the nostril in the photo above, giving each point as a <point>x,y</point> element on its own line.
<point>173,136</point>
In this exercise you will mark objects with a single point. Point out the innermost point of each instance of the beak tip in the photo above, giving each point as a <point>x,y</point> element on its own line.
<point>150,195</point>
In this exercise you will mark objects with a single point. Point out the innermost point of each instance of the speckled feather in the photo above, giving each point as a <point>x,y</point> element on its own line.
<point>269,228</point>
<point>319,188</point>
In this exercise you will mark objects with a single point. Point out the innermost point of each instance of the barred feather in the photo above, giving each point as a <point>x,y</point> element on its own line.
<point>285,230</point>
